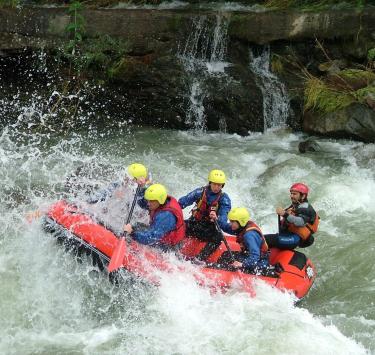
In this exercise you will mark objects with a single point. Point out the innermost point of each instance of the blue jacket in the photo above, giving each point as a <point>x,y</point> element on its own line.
<point>254,259</point>
<point>163,223</point>
<point>224,203</point>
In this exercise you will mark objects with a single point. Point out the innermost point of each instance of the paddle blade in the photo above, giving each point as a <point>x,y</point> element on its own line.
<point>117,256</point>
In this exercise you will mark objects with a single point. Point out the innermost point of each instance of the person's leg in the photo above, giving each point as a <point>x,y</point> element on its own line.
<point>226,259</point>
<point>198,229</point>
<point>285,241</point>
<point>213,238</point>
<point>271,240</point>
<point>307,243</point>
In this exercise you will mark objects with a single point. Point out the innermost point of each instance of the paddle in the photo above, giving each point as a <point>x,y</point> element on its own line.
<point>119,252</point>
<point>247,286</point>
<point>224,240</point>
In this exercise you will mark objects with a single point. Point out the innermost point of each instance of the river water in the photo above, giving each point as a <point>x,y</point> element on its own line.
<point>52,303</point>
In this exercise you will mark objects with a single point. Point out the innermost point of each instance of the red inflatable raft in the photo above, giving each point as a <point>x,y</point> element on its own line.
<point>295,274</point>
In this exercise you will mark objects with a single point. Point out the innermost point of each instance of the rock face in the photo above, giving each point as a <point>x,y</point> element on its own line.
<point>152,84</point>
<point>354,121</point>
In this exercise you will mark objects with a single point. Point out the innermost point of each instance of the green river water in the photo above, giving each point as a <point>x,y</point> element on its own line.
<point>52,304</point>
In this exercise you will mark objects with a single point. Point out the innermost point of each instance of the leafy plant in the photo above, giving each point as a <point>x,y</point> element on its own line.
<point>85,54</point>
<point>363,94</point>
<point>9,3</point>
<point>371,54</point>
<point>76,27</point>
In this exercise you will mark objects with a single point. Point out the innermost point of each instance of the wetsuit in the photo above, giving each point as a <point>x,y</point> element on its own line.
<point>254,256</point>
<point>167,227</point>
<point>297,216</point>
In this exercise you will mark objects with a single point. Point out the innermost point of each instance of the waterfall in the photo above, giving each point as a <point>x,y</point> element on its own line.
<point>275,98</point>
<point>203,57</point>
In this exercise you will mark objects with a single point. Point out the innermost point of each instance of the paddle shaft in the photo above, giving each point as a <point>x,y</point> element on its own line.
<point>133,205</point>
<point>224,240</point>
<point>119,252</point>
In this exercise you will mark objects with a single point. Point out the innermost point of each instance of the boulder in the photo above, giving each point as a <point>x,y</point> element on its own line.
<point>235,102</point>
<point>308,145</point>
<point>355,121</point>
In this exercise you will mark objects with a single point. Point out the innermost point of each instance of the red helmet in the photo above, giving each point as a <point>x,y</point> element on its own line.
<point>300,187</point>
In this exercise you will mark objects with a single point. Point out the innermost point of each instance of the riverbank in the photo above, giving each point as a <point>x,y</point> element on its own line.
<point>204,69</point>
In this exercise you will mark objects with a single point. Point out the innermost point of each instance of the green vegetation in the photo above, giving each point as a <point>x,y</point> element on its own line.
<point>353,85</point>
<point>89,54</point>
<point>363,94</point>
<point>277,65</point>
<point>82,58</point>
<point>371,55</point>
<point>76,27</point>
<point>99,54</point>
<point>320,97</point>
<point>9,3</point>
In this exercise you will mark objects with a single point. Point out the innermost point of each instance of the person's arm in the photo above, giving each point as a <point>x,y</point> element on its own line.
<point>305,214</point>
<point>190,198</point>
<point>225,206</point>
<point>253,242</point>
<point>141,201</point>
<point>227,228</point>
<point>163,223</point>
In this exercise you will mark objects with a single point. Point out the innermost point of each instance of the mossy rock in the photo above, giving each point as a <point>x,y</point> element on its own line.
<point>333,66</point>
<point>367,95</point>
<point>351,79</point>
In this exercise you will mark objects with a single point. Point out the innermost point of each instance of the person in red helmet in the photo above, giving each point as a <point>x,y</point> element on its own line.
<point>298,222</point>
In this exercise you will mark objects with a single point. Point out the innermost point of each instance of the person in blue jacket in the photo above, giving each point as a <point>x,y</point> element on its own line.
<point>136,171</point>
<point>167,228</point>
<point>253,257</point>
<point>211,203</point>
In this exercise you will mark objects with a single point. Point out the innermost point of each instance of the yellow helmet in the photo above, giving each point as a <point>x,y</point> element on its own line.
<point>239,214</point>
<point>156,192</point>
<point>137,170</point>
<point>217,176</point>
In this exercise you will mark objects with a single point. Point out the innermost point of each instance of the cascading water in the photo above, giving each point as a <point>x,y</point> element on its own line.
<point>203,56</point>
<point>275,98</point>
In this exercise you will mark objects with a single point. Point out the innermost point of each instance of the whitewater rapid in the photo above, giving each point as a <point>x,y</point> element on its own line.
<point>54,303</point>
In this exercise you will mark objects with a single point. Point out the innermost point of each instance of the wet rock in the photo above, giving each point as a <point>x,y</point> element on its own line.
<point>151,89</point>
<point>234,102</point>
<point>355,121</point>
<point>308,145</point>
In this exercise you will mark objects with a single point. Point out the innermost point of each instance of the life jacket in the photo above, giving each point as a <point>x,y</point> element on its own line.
<point>252,226</point>
<point>306,231</point>
<point>176,235</point>
<point>203,208</point>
